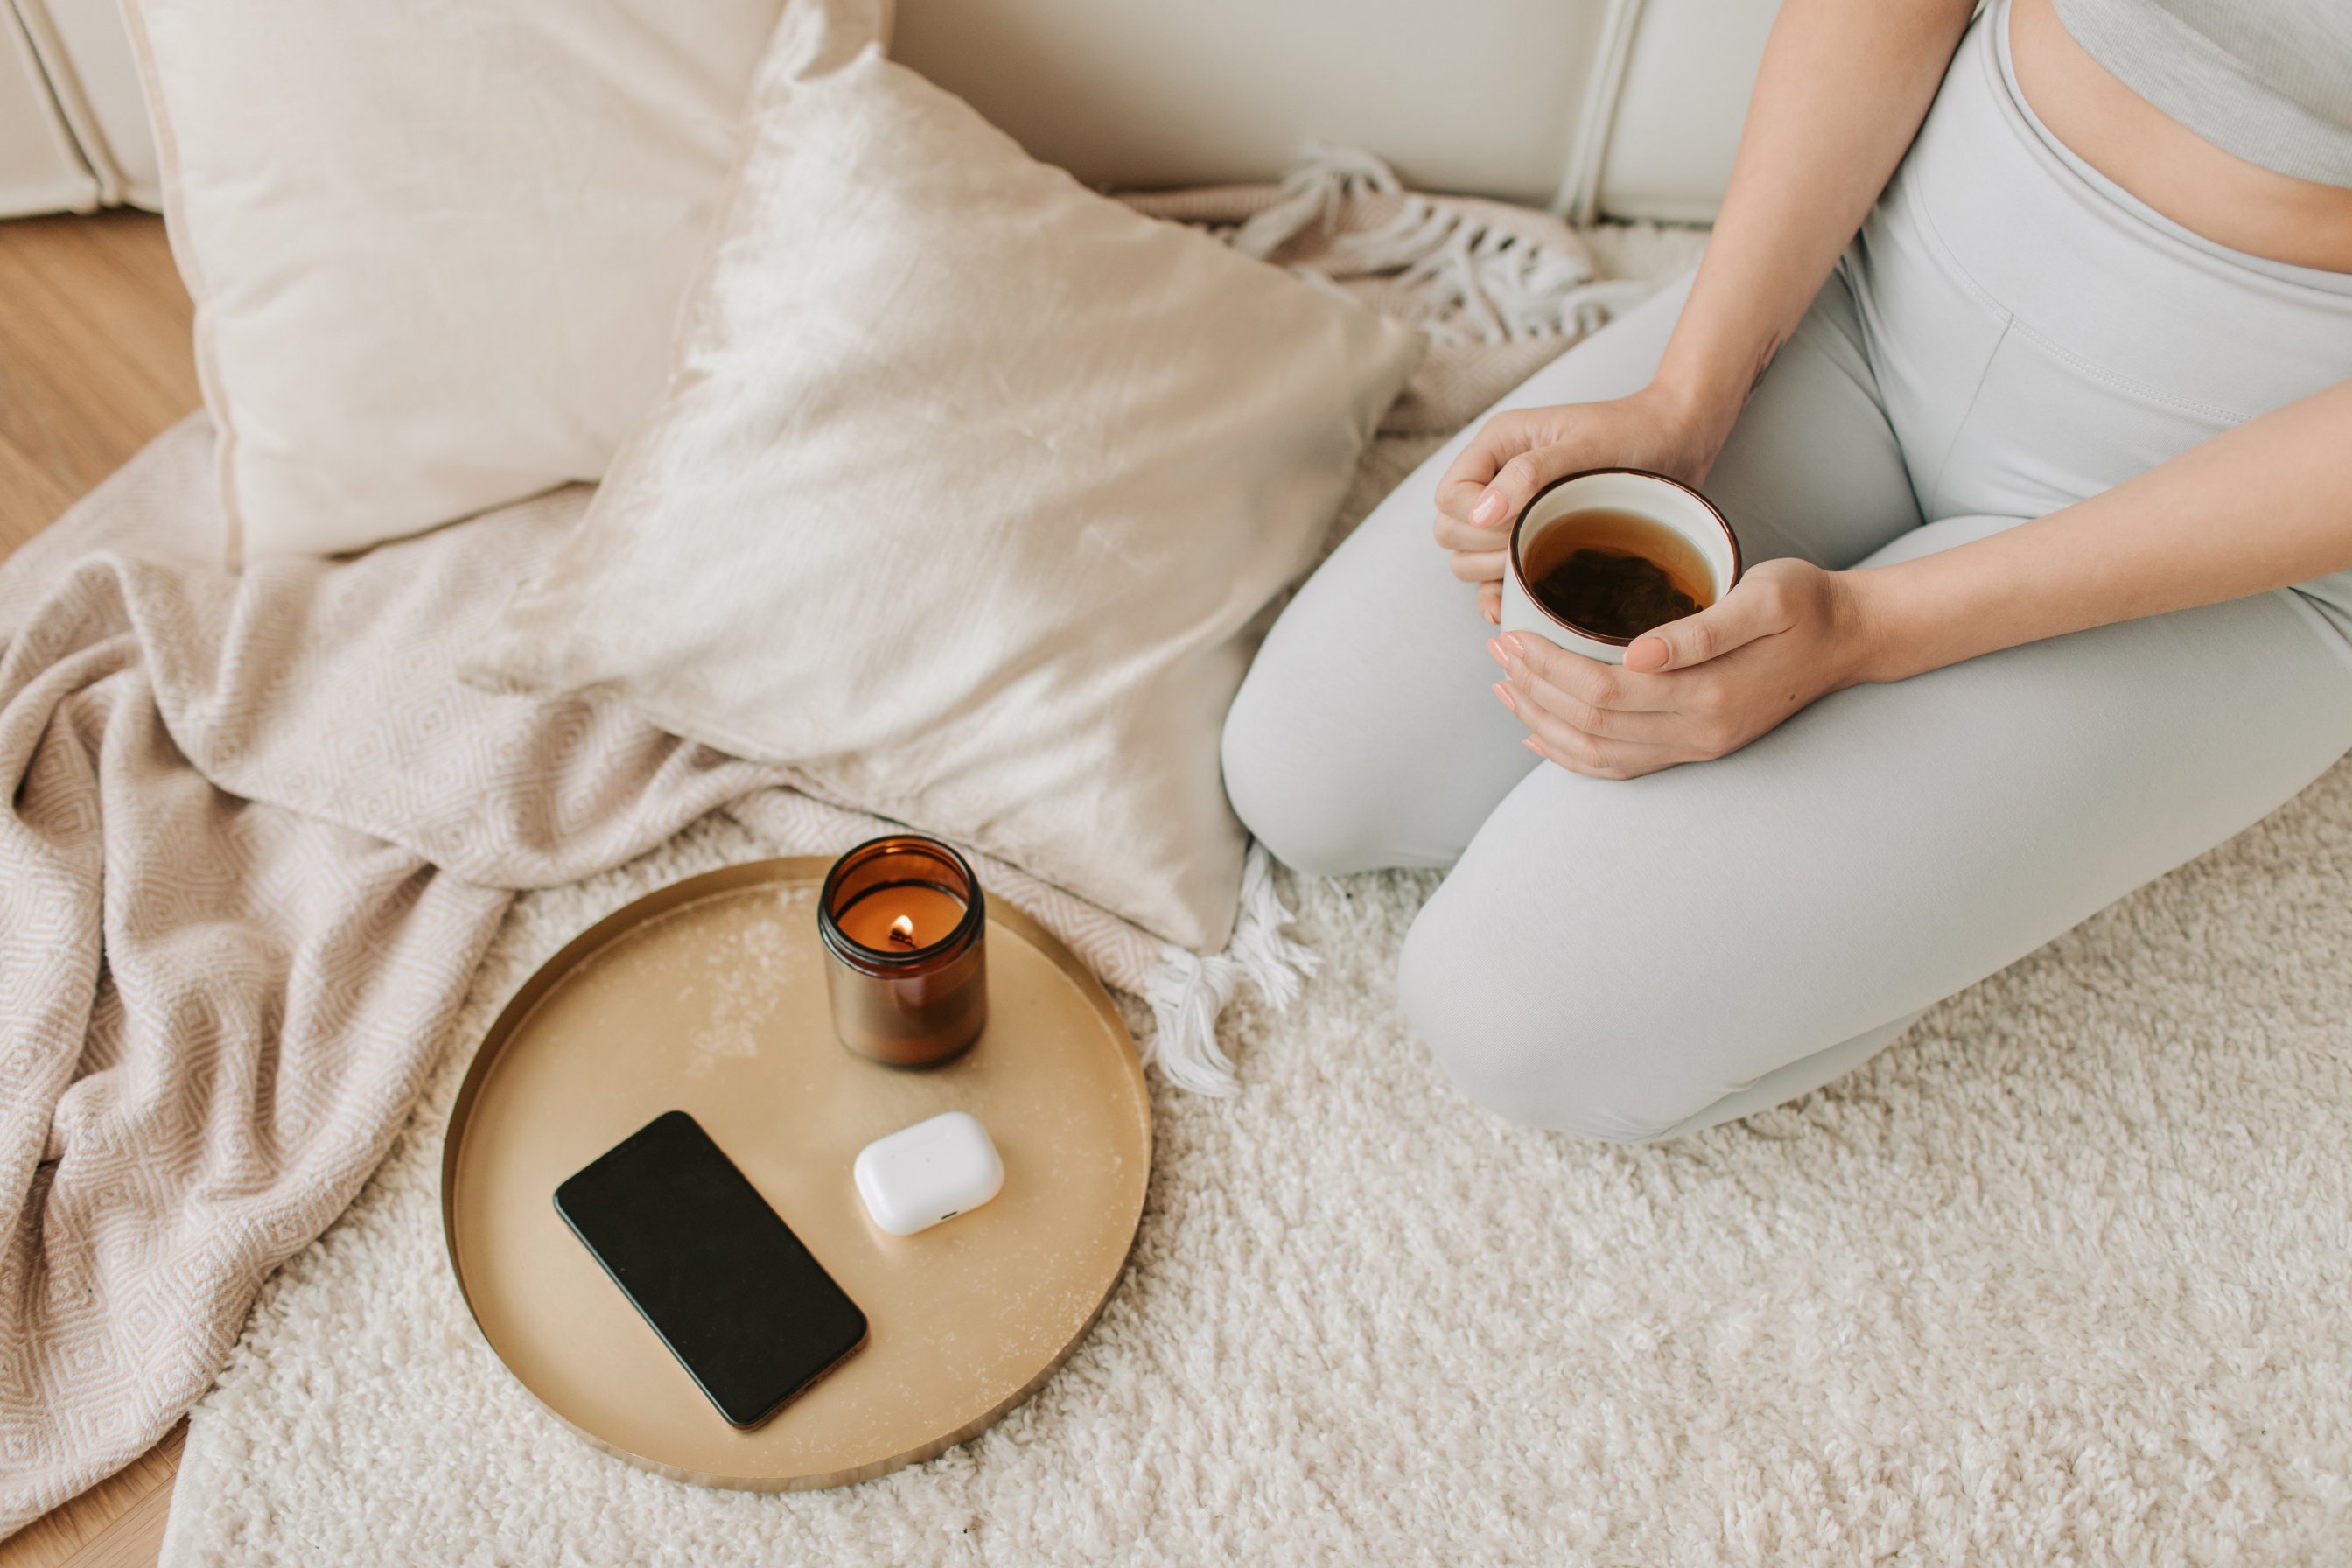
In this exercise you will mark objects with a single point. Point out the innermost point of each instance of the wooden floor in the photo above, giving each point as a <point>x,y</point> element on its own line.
<point>94,362</point>
<point>94,357</point>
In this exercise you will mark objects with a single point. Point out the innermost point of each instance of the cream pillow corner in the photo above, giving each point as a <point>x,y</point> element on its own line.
<point>436,246</point>
<point>969,498</point>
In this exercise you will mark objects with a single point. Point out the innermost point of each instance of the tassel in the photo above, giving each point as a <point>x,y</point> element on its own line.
<point>1188,993</point>
<point>1467,281</point>
<point>1276,965</point>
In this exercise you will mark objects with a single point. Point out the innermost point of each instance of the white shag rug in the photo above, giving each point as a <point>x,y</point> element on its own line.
<point>2060,1279</point>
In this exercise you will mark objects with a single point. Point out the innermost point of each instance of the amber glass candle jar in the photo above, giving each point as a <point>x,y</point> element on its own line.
<point>903,919</point>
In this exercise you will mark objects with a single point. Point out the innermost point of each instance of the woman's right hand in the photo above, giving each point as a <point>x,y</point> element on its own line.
<point>1516,454</point>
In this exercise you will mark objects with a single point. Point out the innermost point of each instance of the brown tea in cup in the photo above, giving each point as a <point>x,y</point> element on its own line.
<point>1615,573</point>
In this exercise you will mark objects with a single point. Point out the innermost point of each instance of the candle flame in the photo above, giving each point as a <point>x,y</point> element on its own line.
<point>902,932</point>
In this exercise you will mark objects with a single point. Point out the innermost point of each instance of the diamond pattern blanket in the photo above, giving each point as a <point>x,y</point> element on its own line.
<point>258,838</point>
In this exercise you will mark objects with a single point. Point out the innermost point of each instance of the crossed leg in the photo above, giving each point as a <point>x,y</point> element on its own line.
<point>1634,959</point>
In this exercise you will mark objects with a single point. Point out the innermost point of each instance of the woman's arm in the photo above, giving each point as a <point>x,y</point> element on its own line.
<point>1843,87</point>
<point>2254,509</point>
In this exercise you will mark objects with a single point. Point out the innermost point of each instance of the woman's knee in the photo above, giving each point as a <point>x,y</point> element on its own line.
<point>1522,1042</point>
<point>1292,800</point>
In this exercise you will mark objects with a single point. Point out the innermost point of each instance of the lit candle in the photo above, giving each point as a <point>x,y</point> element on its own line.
<point>900,917</point>
<point>903,917</point>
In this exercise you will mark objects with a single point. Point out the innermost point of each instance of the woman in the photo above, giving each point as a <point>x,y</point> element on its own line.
<point>2041,459</point>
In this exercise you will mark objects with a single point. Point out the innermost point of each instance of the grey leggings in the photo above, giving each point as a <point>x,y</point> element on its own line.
<point>1634,959</point>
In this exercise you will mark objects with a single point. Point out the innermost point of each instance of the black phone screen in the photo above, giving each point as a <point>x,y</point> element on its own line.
<point>751,1316</point>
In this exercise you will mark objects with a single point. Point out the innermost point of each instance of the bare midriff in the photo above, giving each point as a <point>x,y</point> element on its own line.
<point>2198,186</point>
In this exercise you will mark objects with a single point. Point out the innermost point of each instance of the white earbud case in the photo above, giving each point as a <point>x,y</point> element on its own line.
<point>934,1170</point>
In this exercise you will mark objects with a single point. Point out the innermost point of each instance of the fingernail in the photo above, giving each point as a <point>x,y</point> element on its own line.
<point>1530,744</point>
<point>1494,647</point>
<point>1494,616</point>
<point>1512,646</point>
<point>1489,508</point>
<point>1504,693</point>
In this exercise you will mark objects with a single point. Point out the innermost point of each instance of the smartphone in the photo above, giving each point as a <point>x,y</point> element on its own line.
<point>751,1315</point>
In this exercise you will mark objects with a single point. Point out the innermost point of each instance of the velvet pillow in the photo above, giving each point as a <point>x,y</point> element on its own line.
<point>437,247</point>
<point>969,496</point>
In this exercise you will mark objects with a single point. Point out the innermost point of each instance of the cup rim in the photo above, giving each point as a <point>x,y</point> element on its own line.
<point>1738,563</point>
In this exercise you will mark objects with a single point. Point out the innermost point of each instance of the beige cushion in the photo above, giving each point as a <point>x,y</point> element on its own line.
<point>436,246</point>
<point>968,497</point>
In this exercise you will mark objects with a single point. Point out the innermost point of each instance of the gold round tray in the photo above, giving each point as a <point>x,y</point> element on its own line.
<point>708,996</point>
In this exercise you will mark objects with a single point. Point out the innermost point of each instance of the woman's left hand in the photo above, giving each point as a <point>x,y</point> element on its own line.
<point>1691,689</point>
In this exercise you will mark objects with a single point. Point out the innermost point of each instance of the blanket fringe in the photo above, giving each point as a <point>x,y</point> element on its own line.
<point>1188,992</point>
<point>1466,278</point>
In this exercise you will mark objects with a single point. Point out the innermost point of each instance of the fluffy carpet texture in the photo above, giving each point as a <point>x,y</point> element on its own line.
<point>2061,1278</point>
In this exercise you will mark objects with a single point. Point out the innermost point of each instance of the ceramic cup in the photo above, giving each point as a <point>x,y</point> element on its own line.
<point>1666,502</point>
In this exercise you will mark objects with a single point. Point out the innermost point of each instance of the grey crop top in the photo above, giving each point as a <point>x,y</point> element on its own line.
<point>2270,81</point>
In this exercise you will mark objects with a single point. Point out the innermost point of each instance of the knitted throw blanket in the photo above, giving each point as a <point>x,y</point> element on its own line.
<point>258,835</point>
